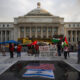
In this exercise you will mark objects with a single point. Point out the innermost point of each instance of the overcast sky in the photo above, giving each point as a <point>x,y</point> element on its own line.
<point>69,9</point>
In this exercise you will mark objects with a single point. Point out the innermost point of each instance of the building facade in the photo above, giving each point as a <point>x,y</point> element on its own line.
<point>6,31</point>
<point>39,23</point>
<point>72,32</point>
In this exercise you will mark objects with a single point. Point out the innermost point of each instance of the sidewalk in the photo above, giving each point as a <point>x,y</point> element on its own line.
<point>6,61</point>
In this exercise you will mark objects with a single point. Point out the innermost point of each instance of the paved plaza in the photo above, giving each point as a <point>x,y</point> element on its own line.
<point>6,62</point>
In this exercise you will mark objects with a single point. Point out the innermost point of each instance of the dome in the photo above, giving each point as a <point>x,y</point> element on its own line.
<point>38,12</point>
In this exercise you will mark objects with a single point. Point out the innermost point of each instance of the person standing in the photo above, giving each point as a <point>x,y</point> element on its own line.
<point>3,50</point>
<point>19,47</point>
<point>78,52</point>
<point>37,49</point>
<point>11,50</point>
<point>68,51</point>
<point>59,49</point>
<point>65,51</point>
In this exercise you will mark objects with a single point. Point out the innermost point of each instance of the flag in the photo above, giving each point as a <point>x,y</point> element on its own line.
<point>55,40</point>
<point>65,43</point>
<point>35,42</point>
<point>39,73</point>
<point>40,66</point>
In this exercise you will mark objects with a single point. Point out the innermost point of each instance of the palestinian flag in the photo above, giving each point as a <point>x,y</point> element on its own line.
<point>55,40</point>
<point>65,43</point>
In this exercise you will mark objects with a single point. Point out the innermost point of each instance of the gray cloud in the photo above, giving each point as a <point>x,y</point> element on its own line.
<point>69,9</point>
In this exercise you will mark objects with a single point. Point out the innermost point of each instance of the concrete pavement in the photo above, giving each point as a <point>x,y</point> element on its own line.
<point>6,61</point>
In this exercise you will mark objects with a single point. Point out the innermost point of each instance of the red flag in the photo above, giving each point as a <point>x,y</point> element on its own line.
<point>35,42</point>
<point>66,40</point>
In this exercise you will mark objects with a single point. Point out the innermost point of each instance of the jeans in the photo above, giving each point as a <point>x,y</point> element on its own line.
<point>18,54</point>
<point>11,54</point>
<point>59,52</point>
<point>65,54</point>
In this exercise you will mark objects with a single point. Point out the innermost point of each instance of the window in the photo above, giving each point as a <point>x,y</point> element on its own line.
<point>7,25</point>
<point>33,36</point>
<point>69,39</point>
<point>55,29</point>
<point>3,25</point>
<point>22,29</point>
<point>77,25</point>
<point>44,29</point>
<point>44,36</point>
<point>73,39</point>
<point>39,36</point>
<point>38,29</point>
<point>27,29</point>
<point>49,29</point>
<point>73,25</point>
<point>77,38</point>
<point>33,29</point>
<point>69,25</point>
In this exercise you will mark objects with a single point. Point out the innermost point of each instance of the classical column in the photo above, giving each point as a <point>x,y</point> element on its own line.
<point>71,36</point>
<point>1,36</point>
<point>9,35</point>
<point>30,33</point>
<point>41,32</point>
<point>67,35</point>
<point>47,32</point>
<point>76,35</point>
<point>36,32</point>
<point>5,36</point>
<point>24,32</point>
<point>18,32</point>
<point>79,35</point>
<point>52,31</point>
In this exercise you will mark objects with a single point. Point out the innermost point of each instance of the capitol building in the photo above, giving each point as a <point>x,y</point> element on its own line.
<point>39,23</point>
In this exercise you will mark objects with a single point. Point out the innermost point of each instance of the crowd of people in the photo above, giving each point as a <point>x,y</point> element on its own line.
<point>34,50</point>
<point>15,48</point>
<point>66,51</point>
<point>12,48</point>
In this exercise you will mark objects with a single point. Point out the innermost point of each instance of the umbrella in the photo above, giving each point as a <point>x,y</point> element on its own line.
<point>2,42</point>
<point>11,41</point>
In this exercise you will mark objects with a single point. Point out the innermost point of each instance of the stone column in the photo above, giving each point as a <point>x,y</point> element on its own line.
<point>30,33</point>
<point>36,32</point>
<point>79,35</point>
<point>18,32</point>
<point>5,36</point>
<point>1,36</point>
<point>9,35</point>
<point>41,32</point>
<point>24,32</point>
<point>52,31</point>
<point>47,32</point>
<point>76,35</point>
<point>71,36</point>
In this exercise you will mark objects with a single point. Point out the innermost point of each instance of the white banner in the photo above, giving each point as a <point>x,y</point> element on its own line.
<point>44,48</point>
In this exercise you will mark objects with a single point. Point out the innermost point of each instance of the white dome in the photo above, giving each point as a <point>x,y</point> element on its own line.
<point>38,12</point>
